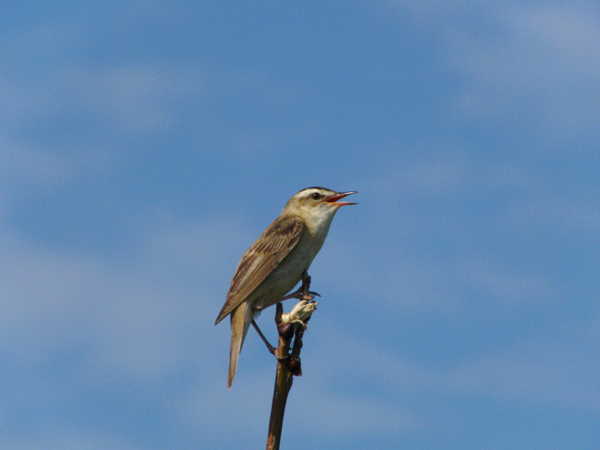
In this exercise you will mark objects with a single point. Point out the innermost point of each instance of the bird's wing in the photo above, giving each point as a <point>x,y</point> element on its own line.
<point>261,259</point>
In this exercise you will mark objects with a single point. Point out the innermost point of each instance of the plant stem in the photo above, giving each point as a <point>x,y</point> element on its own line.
<point>288,366</point>
<point>283,380</point>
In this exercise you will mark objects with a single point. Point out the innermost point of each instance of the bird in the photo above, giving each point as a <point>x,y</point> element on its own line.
<point>277,261</point>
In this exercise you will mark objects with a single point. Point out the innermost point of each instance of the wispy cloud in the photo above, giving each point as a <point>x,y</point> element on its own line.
<point>67,439</point>
<point>532,371</point>
<point>541,64</point>
<point>536,63</point>
<point>132,97</point>
<point>36,89</point>
<point>134,320</point>
<point>446,283</point>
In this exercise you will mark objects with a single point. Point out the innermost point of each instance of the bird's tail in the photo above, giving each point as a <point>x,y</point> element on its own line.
<point>241,318</point>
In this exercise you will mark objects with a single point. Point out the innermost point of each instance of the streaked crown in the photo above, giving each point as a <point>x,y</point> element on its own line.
<point>315,194</point>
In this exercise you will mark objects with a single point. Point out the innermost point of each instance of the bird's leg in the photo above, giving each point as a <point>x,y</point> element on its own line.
<point>264,339</point>
<point>305,288</point>
<point>303,292</point>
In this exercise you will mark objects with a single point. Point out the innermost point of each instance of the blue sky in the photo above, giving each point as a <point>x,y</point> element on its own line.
<point>145,145</point>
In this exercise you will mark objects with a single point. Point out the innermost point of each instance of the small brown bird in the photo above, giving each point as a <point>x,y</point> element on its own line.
<point>274,264</point>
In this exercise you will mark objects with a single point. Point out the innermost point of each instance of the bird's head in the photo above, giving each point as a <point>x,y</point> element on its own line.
<point>316,205</point>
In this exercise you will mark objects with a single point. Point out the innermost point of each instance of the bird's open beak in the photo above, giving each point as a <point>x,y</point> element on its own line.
<point>337,197</point>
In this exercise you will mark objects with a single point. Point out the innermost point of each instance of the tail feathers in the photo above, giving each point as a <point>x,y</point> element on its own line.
<point>241,318</point>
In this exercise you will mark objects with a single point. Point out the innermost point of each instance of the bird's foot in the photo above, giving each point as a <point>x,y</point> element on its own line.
<point>300,295</point>
<point>303,292</point>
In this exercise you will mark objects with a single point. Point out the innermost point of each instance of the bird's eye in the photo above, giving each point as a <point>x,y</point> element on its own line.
<point>316,196</point>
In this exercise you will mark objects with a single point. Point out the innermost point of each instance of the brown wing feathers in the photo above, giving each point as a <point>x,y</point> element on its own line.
<point>261,259</point>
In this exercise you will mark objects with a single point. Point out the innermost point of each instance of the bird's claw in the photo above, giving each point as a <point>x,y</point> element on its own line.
<point>300,295</point>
